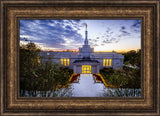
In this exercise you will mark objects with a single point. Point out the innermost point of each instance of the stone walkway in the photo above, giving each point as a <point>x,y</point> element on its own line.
<point>86,87</point>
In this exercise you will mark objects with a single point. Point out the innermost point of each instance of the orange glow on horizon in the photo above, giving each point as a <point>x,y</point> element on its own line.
<point>75,50</point>
<point>123,50</point>
<point>118,51</point>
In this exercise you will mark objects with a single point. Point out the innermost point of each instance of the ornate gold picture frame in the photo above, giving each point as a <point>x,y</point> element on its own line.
<point>13,11</point>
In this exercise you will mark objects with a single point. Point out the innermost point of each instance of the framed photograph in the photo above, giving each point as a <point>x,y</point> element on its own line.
<point>53,63</point>
<point>79,58</point>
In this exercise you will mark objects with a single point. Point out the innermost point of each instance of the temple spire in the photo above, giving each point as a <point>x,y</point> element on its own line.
<point>86,39</point>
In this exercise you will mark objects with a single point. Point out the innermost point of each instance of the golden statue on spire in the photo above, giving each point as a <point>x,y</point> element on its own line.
<point>86,26</point>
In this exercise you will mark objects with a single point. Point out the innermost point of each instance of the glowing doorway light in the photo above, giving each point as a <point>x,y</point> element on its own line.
<point>86,69</point>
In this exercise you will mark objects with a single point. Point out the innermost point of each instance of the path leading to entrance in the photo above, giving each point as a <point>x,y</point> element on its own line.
<point>86,87</point>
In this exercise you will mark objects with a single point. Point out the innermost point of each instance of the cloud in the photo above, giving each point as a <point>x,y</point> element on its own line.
<point>124,32</point>
<point>94,45</point>
<point>51,33</point>
<point>107,37</point>
<point>67,34</point>
<point>108,31</point>
<point>107,41</point>
<point>136,26</point>
<point>123,27</point>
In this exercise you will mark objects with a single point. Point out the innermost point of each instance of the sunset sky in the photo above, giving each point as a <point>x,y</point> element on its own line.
<point>103,35</point>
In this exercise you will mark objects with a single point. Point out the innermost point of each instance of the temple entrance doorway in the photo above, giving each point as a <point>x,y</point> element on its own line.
<point>86,69</point>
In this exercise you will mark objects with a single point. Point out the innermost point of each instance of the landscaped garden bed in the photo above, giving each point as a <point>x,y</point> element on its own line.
<point>74,78</point>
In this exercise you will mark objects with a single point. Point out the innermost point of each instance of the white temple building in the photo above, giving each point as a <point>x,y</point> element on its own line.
<point>86,60</point>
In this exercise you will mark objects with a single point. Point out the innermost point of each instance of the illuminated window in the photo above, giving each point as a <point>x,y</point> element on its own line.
<point>107,62</point>
<point>104,62</point>
<point>68,62</point>
<point>61,61</point>
<point>65,62</point>
<point>110,61</point>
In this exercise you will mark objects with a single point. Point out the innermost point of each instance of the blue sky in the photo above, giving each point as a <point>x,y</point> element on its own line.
<point>103,35</point>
